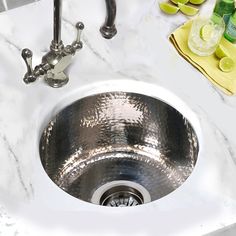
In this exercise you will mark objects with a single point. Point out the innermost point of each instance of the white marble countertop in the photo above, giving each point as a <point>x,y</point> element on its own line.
<point>139,58</point>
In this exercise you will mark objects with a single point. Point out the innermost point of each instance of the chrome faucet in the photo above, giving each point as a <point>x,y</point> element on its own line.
<point>108,30</point>
<point>54,63</point>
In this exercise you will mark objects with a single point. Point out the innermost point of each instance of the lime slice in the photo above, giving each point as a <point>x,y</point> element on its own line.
<point>216,19</point>
<point>181,1</point>
<point>168,8</point>
<point>206,32</point>
<point>221,52</point>
<point>188,10</point>
<point>197,2</point>
<point>226,64</point>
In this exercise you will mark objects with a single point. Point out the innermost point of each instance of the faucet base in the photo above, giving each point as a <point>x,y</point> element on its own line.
<point>56,81</point>
<point>108,32</point>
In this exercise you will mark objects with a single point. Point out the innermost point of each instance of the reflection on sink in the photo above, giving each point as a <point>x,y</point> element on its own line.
<point>119,149</point>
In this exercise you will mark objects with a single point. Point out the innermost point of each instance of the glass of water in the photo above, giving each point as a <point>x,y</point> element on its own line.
<point>205,35</point>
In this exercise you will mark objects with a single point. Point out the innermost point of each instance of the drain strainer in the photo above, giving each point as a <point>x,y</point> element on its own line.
<point>121,196</point>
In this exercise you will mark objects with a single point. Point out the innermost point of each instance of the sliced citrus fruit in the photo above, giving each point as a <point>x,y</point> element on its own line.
<point>221,52</point>
<point>226,64</point>
<point>188,10</point>
<point>168,8</point>
<point>197,2</point>
<point>181,1</point>
<point>206,32</point>
<point>216,19</point>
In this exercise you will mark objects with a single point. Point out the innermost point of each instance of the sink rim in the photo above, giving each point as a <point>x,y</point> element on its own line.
<point>154,91</point>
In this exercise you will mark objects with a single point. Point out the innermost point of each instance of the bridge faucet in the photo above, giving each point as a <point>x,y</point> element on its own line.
<point>54,63</point>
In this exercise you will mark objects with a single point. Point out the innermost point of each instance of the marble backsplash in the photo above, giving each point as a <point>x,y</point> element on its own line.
<point>10,4</point>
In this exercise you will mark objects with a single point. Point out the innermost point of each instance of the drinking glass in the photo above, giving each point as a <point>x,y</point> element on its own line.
<point>196,42</point>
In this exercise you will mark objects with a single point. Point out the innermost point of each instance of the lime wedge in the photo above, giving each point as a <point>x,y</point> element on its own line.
<point>188,10</point>
<point>197,2</point>
<point>206,32</point>
<point>168,8</point>
<point>181,1</point>
<point>221,52</point>
<point>226,64</point>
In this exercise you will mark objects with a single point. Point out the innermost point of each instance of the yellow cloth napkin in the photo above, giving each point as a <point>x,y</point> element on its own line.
<point>207,65</point>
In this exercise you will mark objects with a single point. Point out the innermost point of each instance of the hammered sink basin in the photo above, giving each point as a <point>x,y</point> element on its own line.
<point>119,149</point>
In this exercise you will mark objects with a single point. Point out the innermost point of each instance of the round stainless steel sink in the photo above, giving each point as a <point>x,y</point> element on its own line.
<point>119,149</point>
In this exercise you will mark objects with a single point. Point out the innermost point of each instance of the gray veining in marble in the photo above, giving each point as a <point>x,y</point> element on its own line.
<point>2,7</point>
<point>10,4</point>
<point>227,231</point>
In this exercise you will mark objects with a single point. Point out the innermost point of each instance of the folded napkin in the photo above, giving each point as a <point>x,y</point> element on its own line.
<point>207,65</point>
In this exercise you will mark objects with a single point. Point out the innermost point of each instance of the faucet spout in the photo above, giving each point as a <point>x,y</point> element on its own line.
<point>108,30</point>
<point>57,21</point>
<point>57,42</point>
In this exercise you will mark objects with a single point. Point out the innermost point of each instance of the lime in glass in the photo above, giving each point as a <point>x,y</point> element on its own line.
<point>205,35</point>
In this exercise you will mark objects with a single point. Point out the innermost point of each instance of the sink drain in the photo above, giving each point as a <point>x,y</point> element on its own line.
<point>121,196</point>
